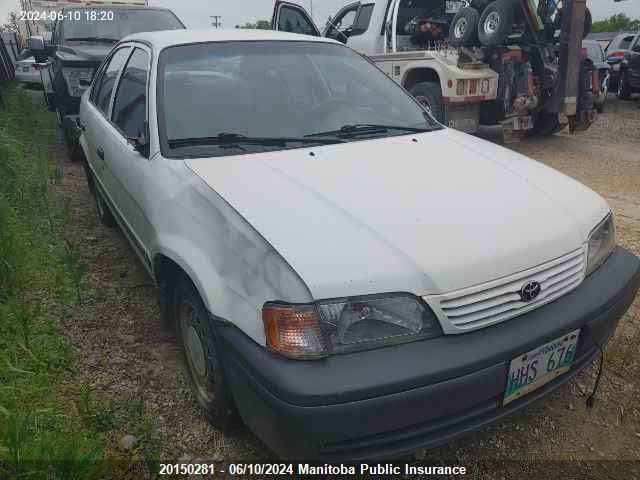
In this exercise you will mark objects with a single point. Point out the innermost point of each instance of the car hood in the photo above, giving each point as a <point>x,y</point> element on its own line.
<point>84,52</point>
<point>426,214</point>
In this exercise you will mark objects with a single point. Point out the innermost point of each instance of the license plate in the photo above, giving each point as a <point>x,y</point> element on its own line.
<point>25,69</point>
<point>533,369</point>
<point>453,6</point>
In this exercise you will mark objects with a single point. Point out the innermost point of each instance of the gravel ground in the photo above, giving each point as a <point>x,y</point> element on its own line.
<point>125,356</point>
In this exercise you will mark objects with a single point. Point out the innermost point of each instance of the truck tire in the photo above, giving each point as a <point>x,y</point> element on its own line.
<point>545,125</point>
<point>624,90</point>
<point>464,28</point>
<point>429,94</point>
<point>496,23</point>
<point>203,356</point>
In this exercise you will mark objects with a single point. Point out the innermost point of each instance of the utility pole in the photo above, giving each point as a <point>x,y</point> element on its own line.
<point>216,21</point>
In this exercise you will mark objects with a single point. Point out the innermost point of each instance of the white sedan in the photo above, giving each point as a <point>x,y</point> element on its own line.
<point>349,277</point>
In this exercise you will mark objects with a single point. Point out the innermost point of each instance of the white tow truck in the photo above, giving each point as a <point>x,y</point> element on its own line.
<point>537,81</point>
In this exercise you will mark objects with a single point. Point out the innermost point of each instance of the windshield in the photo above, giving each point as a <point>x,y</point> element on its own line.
<point>113,24</point>
<point>276,89</point>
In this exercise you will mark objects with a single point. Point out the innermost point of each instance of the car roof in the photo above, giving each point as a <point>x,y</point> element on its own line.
<point>168,38</point>
<point>111,6</point>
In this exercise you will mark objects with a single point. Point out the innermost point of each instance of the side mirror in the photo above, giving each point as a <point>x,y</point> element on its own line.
<point>637,48</point>
<point>141,142</point>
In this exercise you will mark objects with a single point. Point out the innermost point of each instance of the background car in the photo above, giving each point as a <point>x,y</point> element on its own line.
<point>597,56</point>
<point>616,52</point>
<point>25,71</point>
<point>629,73</point>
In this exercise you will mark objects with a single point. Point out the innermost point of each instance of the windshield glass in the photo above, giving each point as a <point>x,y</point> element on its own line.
<point>114,24</point>
<point>277,90</point>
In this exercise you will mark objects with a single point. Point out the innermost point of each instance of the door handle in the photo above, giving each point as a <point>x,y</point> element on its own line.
<point>100,152</point>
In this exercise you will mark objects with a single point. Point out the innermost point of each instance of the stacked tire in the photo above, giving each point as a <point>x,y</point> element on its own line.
<point>490,24</point>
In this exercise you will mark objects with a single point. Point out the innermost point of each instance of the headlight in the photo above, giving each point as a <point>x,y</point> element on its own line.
<point>343,325</point>
<point>73,76</point>
<point>602,241</point>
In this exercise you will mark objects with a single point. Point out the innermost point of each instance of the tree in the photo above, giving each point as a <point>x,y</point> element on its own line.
<point>260,25</point>
<point>616,23</point>
<point>13,25</point>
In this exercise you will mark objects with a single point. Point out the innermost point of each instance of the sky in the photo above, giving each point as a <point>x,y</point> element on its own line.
<point>195,13</point>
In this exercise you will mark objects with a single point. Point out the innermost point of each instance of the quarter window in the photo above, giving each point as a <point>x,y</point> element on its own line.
<point>130,103</point>
<point>105,84</point>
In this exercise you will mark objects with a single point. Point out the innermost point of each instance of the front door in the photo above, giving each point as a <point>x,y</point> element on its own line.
<point>289,17</point>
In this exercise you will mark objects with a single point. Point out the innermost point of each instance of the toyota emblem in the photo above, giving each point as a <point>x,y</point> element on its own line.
<point>530,291</point>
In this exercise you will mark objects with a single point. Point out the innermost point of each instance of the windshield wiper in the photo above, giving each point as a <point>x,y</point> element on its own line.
<point>236,140</point>
<point>352,131</point>
<point>92,39</point>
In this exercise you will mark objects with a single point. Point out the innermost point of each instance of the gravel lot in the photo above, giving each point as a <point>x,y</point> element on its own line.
<point>124,355</point>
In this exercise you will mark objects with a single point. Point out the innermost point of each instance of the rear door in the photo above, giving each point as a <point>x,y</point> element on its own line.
<point>289,17</point>
<point>96,118</point>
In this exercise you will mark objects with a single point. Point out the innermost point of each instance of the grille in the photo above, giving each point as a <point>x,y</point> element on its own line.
<point>483,305</point>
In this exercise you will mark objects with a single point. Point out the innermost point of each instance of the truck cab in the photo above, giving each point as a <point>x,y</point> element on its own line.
<point>522,83</point>
<point>81,39</point>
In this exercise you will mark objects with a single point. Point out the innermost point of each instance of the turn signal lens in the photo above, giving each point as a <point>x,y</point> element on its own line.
<point>293,331</point>
<point>342,325</point>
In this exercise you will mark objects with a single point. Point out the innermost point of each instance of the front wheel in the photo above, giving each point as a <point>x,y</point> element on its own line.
<point>464,28</point>
<point>429,95</point>
<point>203,357</point>
<point>624,90</point>
<point>496,23</point>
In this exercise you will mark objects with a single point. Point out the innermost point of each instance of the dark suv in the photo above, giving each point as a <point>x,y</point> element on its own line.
<point>81,39</point>
<point>629,76</point>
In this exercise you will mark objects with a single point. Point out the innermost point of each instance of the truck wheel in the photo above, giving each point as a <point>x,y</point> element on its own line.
<point>545,125</point>
<point>429,94</point>
<point>624,91</point>
<point>496,23</point>
<point>202,355</point>
<point>74,151</point>
<point>464,28</point>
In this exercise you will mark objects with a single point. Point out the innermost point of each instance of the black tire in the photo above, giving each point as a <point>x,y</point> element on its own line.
<point>496,23</point>
<point>464,28</point>
<point>545,125</point>
<point>74,150</point>
<point>429,94</point>
<point>105,217</point>
<point>203,357</point>
<point>624,90</point>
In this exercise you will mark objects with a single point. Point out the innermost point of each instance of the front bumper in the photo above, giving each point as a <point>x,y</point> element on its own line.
<point>389,402</point>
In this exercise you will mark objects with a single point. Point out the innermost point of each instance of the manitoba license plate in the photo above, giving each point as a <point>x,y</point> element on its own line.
<point>538,367</point>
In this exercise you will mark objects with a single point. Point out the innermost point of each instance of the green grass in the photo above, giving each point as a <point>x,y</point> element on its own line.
<point>43,433</point>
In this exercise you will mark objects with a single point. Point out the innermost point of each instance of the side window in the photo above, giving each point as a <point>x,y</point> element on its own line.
<point>130,103</point>
<point>293,20</point>
<point>361,25</point>
<point>104,84</point>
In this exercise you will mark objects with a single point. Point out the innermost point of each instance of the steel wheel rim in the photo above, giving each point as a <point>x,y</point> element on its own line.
<point>460,28</point>
<point>196,350</point>
<point>492,22</point>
